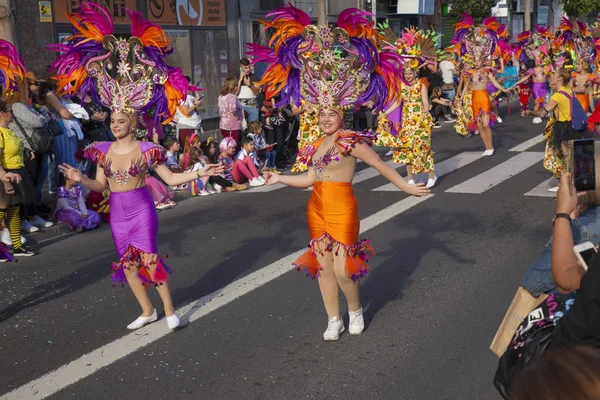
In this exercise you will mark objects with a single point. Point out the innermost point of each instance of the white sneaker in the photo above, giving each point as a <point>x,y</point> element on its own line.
<point>141,321</point>
<point>5,237</point>
<point>411,181</point>
<point>357,322</point>
<point>260,178</point>
<point>488,153</point>
<point>173,321</point>
<point>255,182</point>
<point>431,182</point>
<point>40,222</point>
<point>28,228</point>
<point>553,189</point>
<point>335,327</point>
<point>218,188</point>
<point>499,120</point>
<point>537,120</point>
<point>389,153</point>
<point>203,193</point>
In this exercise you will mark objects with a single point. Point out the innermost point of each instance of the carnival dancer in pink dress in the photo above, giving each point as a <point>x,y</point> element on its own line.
<point>143,82</point>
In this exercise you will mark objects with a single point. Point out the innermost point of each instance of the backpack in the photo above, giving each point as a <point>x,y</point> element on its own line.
<point>578,115</point>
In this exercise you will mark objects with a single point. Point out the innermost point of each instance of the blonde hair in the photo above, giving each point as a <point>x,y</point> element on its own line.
<point>229,86</point>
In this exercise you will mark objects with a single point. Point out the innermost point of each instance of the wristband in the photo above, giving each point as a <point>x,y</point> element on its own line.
<point>562,215</point>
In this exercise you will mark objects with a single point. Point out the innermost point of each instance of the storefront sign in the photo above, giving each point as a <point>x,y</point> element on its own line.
<point>45,11</point>
<point>187,12</point>
<point>115,7</point>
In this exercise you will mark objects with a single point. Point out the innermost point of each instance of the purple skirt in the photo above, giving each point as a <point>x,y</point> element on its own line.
<point>134,226</point>
<point>539,91</point>
<point>73,219</point>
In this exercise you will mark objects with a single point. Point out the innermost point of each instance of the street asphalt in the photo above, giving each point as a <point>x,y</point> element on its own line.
<point>444,275</point>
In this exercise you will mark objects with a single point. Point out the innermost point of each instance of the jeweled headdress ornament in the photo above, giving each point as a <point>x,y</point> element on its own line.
<point>12,70</point>
<point>127,75</point>
<point>327,68</point>
<point>576,39</point>
<point>534,45</point>
<point>486,40</point>
<point>416,47</point>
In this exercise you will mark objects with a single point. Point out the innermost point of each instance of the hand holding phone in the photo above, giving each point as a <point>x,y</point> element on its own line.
<point>583,164</point>
<point>585,253</point>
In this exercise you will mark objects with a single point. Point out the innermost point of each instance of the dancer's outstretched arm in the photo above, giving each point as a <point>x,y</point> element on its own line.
<point>300,181</point>
<point>95,185</point>
<point>175,179</point>
<point>365,153</point>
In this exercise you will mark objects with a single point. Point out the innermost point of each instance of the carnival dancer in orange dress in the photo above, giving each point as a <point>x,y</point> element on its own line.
<point>480,42</point>
<point>131,77</point>
<point>333,81</point>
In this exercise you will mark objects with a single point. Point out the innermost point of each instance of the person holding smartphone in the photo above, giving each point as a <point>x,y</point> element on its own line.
<point>248,89</point>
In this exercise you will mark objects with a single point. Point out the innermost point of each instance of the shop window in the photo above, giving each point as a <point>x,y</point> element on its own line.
<point>270,4</point>
<point>210,62</point>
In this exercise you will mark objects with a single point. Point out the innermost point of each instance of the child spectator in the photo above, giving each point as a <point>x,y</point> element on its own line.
<point>191,141</point>
<point>262,151</point>
<point>71,208</point>
<point>211,155</point>
<point>241,169</point>
<point>172,147</point>
<point>200,186</point>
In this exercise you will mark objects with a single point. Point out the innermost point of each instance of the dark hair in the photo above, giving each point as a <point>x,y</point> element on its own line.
<point>255,127</point>
<point>245,62</point>
<point>3,106</point>
<point>530,64</point>
<point>195,156</point>
<point>169,142</point>
<point>246,140</point>
<point>437,89</point>
<point>205,146</point>
<point>565,75</point>
<point>572,374</point>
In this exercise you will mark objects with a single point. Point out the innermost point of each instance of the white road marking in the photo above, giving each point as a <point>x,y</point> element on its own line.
<point>529,143</point>
<point>264,188</point>
<point>89,363</point>
<point>542,189</point>
<point>498,174</point>
<point>441,169</point>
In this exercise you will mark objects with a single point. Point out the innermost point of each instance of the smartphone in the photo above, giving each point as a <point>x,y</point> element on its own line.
<point>585,252</point>
<point>583,164</point>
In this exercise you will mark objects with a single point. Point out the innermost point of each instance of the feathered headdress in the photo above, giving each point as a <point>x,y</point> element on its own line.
<point>327,68</point>
<point>12,70</point>
<point>141,81</point>
<point>416,47</point>
<point>576,39</point>
<point>535,45</point>
<point>486,40</point>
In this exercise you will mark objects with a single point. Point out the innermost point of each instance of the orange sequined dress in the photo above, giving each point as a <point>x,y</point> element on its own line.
<point>333,218</point>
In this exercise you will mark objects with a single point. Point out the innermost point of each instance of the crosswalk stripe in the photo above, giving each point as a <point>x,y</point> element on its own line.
<point>443,168</point>
<point>264,188</point>
<point>498,174</point>
<point>542,189</point>
<point>529,143</point>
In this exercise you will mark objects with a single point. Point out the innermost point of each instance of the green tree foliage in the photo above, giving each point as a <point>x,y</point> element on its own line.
<point>580,8</point>
<point>478,9</point>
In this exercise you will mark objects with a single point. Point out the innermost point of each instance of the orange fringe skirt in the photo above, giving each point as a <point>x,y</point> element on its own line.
<point>334,225</point>
<point>481,106</point>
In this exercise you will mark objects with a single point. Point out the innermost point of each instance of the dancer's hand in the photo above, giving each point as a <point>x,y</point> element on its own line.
<point>11,177</point>
<point>271,178</point>
<point>212,170</point>
<point>418,190</point>
<point>71,173</point>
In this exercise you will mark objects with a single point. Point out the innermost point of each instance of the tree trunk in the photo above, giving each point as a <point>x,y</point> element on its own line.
<point>322,12</point>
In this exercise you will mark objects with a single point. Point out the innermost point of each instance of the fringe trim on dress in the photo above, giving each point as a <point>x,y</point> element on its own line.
<point>357,256</point>
<point>136,258</point>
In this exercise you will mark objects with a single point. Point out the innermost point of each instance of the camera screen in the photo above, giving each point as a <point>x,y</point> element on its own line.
<point>584,165</point>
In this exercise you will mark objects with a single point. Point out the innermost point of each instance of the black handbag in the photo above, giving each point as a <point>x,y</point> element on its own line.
<point>41,140</point>
<point>54,128</point>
